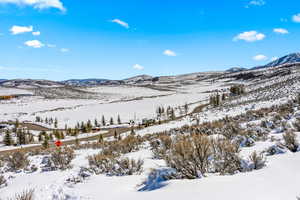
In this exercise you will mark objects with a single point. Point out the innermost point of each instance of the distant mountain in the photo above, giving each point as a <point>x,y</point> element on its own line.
<point>236,69</point>
<point>84,82</point>
<point>1,80</point>
<point>30,83</point>
<point>138,79</point>
<point>288,59</point>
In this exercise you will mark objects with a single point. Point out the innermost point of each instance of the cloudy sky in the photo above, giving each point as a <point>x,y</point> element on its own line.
<point>115,39</point>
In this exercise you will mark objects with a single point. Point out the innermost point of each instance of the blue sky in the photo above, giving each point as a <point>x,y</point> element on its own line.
<point>116,39</point>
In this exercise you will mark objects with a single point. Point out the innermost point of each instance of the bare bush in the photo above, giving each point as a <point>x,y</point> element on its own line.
<point>258,160</point>
<point>61,158</point>
<point>16,161</point>
<point>226,159</point>
<point>3,181</point>
<point>290,141</point>
<point>296,125</point>
<point>189,156</point>
<point>160,146</point>
<point>112,166</point>
<point>129,144</point>
<point>25,195</point>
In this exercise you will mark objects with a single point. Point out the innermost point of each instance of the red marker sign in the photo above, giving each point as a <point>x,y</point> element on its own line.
<point>58,143</point>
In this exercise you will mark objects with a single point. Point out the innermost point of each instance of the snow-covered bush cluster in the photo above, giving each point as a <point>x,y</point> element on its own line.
<point>114,166</point>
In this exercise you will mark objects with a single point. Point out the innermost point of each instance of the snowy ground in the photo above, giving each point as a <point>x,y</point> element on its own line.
<point>143,104</point>
<point>278,180</point>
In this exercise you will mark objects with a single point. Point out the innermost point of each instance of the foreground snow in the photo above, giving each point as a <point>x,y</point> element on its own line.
<point>277,181</point>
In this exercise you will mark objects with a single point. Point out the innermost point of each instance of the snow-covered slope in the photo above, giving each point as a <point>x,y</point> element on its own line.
<point>288,59</point>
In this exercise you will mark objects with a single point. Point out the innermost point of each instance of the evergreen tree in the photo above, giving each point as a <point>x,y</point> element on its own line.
<point>186,108</point>
<point>132,131</point>
<point>111,121</point>
<point>172,114</point>
<point>55,123</point>
<point>77,141</point>
<point>100,140</point>
<point>89,126</point>
<point>119,119</point>
<point>96,123</point>
<point>45,144</point>
<point>62,135</point>
<point>103,121</point>
<point>40,136</point>
<point>7,138</point>
<point>115,134</point>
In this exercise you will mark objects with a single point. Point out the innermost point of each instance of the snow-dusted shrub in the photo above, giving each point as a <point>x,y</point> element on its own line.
<point>17,160</point>
<point>128,144</point>
<point>61,158</point>
<point>3,181</point>
<point>296,125</point>
<point>189,156</point>
<point>231,130</point>
<point>160,146</point>
<point>112,166</point>
<point>258,161</point>
<point>25,195</point>
<point>290,141</point>
<point>225,157</point>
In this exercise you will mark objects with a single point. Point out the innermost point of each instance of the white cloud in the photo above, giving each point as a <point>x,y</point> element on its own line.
<point>296,18</point>
<point>260,57</point>
<point>15,30</point>
<point>249,36</point>
<point>280,30</point>
<point>169,52</point>
<point>274,58</point>
<point>256,3</point>
<point>64,50</point>
<point>36,33</point>
<point>51,45</point>
<point>120,22</point>
<point>138,67</point>
<point>34,44</point>
<point>37,4</point>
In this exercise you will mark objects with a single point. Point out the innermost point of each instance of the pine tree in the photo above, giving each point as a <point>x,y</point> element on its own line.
<point>55,123</point>
<point>100,140</point>
<point>45,144</point>
<point>62,135</point>
<point>103,121</point>
<point>77,141</point>
<point>186,108</point>
<point>115,134</point>
<point>89,126</point>
<point>119,119</point>
<point>96,123</point>
<point>111,121</point>
<point>40,138</point>
<point>7,138</point>
<point>132,131</point>
<point>172,114</point>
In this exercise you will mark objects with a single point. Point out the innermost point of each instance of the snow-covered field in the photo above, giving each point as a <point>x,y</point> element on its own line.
<point>131,103</point>
<point>259,120</point>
